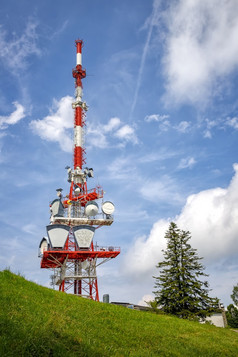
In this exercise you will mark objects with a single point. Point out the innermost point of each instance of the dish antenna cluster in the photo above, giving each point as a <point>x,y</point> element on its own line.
<point>69,248</point>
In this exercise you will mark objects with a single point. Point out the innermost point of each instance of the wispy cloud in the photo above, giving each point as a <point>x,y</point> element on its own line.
<point>165,124</point>
<point>156,117</point>
<point>218,123</point>
<point>164,189</point>
<point>151,22</point>
<point>183,127</point>
<point>112,124</point>
<point>158,155</point>
<point>60,30</point>
<point>14,53</point>
<point>232,122</point>
<point>187,163</point>
<point>123,168</point>
<point>14,117</point>
<point>205,126</point>
<point>103,136</point>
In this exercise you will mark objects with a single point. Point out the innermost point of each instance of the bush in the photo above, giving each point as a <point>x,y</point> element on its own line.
<point>232,316</point>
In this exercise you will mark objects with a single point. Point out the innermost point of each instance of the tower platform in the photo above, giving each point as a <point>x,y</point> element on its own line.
<point>56,258</point>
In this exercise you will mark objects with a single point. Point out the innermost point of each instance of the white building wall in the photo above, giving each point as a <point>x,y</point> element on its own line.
<point>216,319</point>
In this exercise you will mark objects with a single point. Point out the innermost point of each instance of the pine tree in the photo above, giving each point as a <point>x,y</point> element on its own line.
<point>179,288</point>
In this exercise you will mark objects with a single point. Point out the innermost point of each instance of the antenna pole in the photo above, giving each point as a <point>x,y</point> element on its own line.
<point>79,108</point>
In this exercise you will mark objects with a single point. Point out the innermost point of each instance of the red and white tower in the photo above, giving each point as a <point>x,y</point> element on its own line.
<point>69,248</point>
<point>79,107</point>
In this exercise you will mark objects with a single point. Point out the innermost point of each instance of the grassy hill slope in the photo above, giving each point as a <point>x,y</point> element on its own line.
<point>36,321</point>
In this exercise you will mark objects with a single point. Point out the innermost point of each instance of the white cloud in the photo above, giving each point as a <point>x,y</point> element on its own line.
<point>201,48</point>
<point>218,123</point>
<point>183,127</point>
<point>14,117</point>
<point>145,299</point>
<point>212,218</point>
<point>233,122</point>
<point>205,125</point>
<point>141,259</point>
<point>15,52</point>
<point>156,117</point>
<point>207,134</point>
<point>57,126</point>
<point>209,125</point>
<point>127,133</point>
<point>164,123</point>
<point>112,124</point>
<point>102,136</point>
<point>187,163</point>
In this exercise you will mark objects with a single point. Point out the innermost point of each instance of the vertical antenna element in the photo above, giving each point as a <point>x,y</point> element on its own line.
<point>79,108</point>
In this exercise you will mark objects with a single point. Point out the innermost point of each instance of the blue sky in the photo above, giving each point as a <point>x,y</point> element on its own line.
<point>162,130</point>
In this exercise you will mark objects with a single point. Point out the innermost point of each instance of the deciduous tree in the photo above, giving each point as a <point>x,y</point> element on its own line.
<point>232,311</point>
<point>234,294</point>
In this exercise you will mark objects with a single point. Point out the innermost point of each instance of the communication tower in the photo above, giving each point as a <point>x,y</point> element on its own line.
<point>69,248</point>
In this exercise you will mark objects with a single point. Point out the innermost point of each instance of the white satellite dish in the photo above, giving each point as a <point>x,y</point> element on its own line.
<point>91,208</point>
<point>77,191</point>
<point>108,208</point>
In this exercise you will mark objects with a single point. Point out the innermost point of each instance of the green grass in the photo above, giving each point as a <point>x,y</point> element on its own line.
<point>36,321</point>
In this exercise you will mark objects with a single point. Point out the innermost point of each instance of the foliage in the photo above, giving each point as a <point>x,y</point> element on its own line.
<point>232,316</point>
<point>153,306</point>
<point>179,290</point>
<point>234,294</point>
<point>232,311</point>
<point>37,321</point>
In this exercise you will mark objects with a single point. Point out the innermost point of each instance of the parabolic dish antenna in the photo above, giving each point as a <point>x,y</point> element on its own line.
<point>108,207</point>
<point>91,208</point>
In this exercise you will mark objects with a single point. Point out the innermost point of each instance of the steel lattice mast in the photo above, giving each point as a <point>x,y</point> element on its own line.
<point>79,106</point>
<point>69,249</point>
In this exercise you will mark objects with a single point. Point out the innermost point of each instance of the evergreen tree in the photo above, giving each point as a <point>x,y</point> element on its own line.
<point>179,288</point>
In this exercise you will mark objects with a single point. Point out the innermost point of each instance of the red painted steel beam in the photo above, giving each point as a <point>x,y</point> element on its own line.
<point>51,257</point>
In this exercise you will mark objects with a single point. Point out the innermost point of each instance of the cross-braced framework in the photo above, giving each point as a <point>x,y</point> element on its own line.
<point>69,249</point>
<point>74,270</point>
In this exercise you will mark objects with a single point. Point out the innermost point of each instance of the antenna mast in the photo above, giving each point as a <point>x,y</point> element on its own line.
<point>79,107</point>
<point>68,249</point>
